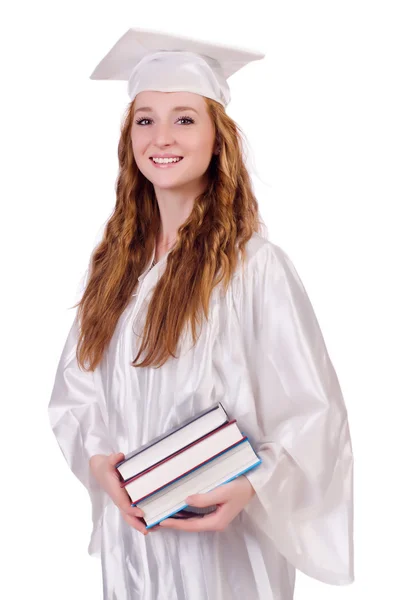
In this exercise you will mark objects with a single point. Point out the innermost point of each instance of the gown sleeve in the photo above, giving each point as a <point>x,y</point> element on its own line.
<point>299,426</point>
<point>78,419</point>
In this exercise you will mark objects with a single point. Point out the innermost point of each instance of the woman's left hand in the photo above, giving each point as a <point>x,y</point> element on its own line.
<point>231,498</point>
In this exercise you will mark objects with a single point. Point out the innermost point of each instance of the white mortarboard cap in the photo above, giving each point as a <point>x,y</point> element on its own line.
<point>151,60</point>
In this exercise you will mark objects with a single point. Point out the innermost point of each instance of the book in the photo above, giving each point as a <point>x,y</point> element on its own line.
<point>225,467</point>
<point>183,461</point>
<point>172,441</point>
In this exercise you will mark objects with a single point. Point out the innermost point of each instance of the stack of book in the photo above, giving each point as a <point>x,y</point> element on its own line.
<point>192,458</point>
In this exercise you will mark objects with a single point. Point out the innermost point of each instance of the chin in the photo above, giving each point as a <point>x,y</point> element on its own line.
<point>166,180</point>
<point>176,185</point>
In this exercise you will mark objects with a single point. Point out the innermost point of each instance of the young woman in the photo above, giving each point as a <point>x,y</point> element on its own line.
<point>186,303</point>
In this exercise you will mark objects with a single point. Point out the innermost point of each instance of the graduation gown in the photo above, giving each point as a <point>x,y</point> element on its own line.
<point>262,355</point>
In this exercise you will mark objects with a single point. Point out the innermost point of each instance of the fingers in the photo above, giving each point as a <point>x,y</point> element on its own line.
<point>135,511</point>
<point>109,479</point>
<point>113,459</point>
<point>123,501</point>
<point>131,514</point>
<point>135,522</point>
<point>215,496</point>
<point>216,521</point>
<point>118,494</point>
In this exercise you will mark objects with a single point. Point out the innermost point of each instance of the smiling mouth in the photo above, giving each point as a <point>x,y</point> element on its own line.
<point>173,162</point>
<point>164,165</point>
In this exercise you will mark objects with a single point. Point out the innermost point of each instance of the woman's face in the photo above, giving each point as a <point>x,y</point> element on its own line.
<point>176,124</point>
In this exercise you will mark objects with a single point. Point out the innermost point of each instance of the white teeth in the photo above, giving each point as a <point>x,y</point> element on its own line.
<point>165,160</point>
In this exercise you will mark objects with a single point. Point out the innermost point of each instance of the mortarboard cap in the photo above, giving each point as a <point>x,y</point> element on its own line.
<point>151,60</point>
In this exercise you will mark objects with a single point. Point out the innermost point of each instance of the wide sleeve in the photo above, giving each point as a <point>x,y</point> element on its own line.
<point>299,425</point>
<point>78,418</point>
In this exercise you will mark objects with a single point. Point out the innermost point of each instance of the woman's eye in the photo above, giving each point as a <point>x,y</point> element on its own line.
<point>187,119</point>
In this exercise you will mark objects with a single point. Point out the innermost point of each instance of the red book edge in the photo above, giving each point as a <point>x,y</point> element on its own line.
<point>190,470</point>
<point>227,424</point>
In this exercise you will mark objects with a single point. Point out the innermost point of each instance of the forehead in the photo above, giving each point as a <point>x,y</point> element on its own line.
<point>168,100</point>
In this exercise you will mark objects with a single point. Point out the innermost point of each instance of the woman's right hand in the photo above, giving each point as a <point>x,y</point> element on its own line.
<point>104,471</point>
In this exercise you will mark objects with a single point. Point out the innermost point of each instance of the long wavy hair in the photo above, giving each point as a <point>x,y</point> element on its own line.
<point>222,220</point>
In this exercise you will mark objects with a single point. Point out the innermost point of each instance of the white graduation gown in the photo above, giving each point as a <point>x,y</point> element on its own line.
<point>263,356</point>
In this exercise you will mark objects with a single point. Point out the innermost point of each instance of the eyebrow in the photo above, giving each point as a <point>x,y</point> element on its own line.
<point>176,108</point>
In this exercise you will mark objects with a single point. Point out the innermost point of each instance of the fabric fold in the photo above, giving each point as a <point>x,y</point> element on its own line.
<point>304,486</point>
<point>78,422</point>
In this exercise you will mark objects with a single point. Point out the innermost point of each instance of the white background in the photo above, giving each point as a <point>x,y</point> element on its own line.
<point>319,113</point>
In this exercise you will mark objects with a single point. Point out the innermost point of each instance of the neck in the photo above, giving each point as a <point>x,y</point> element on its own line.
<point>175,206</point>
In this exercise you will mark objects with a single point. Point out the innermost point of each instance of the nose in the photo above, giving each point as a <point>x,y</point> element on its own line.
<point>163,135</point>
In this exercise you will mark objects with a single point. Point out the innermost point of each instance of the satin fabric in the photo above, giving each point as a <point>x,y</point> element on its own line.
<point>262,354</point>
<point>152,60</point>
<point>180,71</point>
